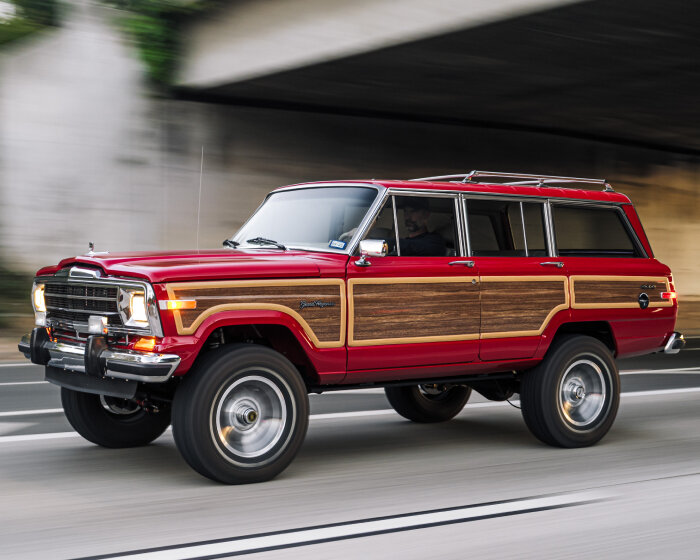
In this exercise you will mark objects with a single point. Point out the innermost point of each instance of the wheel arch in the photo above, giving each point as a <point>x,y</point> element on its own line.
<point>276,331</point>
<point>600,330</point>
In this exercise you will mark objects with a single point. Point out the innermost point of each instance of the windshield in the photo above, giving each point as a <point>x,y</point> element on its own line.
<point>323,218</point>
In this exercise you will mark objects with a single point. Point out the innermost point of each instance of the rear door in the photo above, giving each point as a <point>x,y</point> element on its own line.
<point>522,287</point>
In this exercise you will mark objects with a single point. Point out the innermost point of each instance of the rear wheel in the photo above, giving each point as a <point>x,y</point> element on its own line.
<point>571,398</point>
<point>241,415</point>
<point>112,422</point>
<point>428,403</point>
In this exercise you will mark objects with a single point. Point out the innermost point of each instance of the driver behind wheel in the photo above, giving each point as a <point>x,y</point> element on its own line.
<point>419,241</point>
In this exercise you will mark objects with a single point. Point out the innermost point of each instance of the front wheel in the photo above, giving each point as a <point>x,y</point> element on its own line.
<point>112,422</point>
<point>241,415</point>
<point>571,398</point>
<point>428,403</point>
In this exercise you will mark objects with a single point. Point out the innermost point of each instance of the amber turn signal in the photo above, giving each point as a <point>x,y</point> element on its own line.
<point>173,304</point>
<point>146,344</point>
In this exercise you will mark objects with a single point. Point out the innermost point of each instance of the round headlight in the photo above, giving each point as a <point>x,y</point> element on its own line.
<point>38,300</point>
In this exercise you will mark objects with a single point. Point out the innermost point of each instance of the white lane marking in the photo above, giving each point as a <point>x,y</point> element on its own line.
<point>365,528</point>
<point>20,364</point>
<point>16,383</point>
<point>333,415</point>
<point>661,392</point>
<point>353,414</point>
<point>38,437</point>
<point>368,391</point>
<point>9,427</point>
<point>689,370</point>
<point>30,412</point>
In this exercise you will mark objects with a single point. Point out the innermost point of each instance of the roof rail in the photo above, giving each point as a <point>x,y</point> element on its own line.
<point>527,179</point>
<point>439,177</point>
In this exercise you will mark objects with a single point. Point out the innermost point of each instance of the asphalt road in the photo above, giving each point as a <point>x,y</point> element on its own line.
<point>368,483</point>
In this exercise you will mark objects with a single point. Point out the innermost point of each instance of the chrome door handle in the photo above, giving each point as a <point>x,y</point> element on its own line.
<point>470,264</point>
<point>558,264</point>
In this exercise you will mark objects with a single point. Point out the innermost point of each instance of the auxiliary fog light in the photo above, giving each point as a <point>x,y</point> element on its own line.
<point>40,318</point>
<point>97,324</point>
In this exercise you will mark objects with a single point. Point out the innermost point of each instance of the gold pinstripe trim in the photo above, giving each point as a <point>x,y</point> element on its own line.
<point>547,319</point>
<point>352,282</point>
<point>623,305</point>
<point>173,287</point>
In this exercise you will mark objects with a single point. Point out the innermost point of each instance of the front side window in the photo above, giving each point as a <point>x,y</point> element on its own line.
<point>591,232</point>
<point>425,226</point>
<point>506,228</point>
<point>322,218</point>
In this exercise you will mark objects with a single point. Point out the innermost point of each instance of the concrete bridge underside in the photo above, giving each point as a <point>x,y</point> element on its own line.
<point>622,71</point>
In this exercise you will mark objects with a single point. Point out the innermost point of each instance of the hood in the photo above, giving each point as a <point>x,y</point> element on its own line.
<point>184,266</point>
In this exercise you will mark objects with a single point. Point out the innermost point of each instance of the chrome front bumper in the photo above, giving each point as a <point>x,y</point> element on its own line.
<point>145,367</point>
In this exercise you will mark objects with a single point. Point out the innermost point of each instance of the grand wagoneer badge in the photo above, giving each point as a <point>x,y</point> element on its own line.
<point>303,304</point>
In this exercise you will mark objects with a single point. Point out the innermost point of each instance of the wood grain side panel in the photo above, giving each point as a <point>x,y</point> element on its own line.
<point>395,311</point>
<point>324,324</point>
<point>617,291</point>
<point>520,307</point>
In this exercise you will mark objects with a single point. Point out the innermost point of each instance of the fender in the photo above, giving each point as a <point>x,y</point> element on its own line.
<point>329,363</point>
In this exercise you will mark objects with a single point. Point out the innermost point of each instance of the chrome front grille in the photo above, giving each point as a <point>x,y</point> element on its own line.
<point>73,294</point>
<point>71,304</point>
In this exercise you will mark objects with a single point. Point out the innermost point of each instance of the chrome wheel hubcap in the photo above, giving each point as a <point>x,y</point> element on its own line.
<point>582,392</point>
<point>251,417</point>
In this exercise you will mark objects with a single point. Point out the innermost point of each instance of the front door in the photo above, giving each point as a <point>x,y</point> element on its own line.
<point>419,305</point>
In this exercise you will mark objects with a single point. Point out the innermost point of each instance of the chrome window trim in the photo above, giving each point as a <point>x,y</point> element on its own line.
<point>603,205</point>
<point>428,194</point>
<point>396,226</point>
<point>155,325</point>
<point>465,214</point>
<point>522,223</point>
<point>460,233</point>
<point>549,226</point>
<point>368,220</point>
<point>352,244</point>
<point>530,199</point>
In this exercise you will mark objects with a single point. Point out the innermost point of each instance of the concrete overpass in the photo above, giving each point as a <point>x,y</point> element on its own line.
<point>616,70</point>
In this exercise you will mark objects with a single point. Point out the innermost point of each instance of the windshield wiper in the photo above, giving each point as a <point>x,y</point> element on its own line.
<point>229,243</point>
<point>265,241</point>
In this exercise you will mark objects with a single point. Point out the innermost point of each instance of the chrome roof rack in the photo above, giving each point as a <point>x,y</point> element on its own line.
<point>527,179</point>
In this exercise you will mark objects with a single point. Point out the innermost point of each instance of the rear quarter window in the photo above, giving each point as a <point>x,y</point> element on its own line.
<point>592,232</point>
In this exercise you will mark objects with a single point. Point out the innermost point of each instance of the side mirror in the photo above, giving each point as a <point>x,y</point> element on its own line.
<point>374,248</point>
<point>371,248</point>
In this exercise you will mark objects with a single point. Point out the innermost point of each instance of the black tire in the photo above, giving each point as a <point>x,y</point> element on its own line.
<point>241,414</point>
<point>428,403</point>
<point>571,398</point>
<point>112,422</point>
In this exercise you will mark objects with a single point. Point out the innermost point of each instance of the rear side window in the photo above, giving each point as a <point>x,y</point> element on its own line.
<point>592,232</point>
<point>503,228</point>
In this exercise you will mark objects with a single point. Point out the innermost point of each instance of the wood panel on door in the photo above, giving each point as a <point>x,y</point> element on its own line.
<point>412,310</point>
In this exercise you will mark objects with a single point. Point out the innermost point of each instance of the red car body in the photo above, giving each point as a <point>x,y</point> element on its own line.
<point>499,308</point>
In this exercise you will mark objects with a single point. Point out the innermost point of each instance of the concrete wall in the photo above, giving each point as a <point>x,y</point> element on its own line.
<point>87,155</point>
